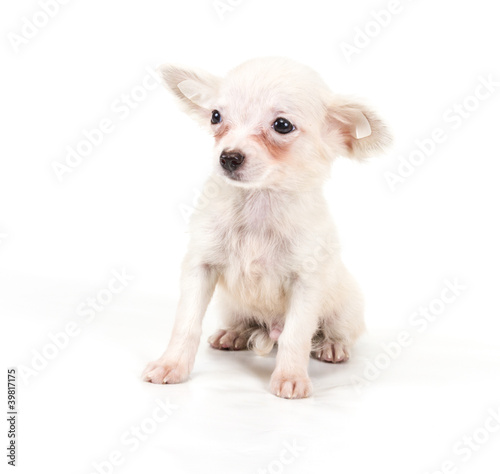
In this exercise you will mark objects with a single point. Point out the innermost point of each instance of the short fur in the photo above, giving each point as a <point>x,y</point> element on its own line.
<point>266,240</point>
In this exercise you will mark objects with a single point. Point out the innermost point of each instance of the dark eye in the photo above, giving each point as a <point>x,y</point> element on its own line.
<point>216,118</point>
<point>283,125</point>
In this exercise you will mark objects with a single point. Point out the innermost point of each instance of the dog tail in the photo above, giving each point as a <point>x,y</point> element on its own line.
<point>260,342</point>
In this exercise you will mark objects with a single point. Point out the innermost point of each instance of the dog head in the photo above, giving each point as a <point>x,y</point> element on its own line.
<point>275,122</point>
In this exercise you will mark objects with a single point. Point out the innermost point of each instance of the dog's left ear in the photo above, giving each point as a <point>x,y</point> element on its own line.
<point>195,89</point>
<point>354,130</point>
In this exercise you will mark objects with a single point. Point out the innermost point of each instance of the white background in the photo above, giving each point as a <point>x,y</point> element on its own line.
<point>122,208</point>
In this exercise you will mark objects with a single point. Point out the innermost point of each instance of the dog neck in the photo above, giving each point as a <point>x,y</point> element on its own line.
<point>261,209</point>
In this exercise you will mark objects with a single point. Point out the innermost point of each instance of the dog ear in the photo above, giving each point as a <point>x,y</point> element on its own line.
<point>354,130</point>
<point>195,89</point>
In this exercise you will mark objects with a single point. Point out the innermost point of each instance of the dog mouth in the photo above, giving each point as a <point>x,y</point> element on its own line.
<point>246,178</point>
<point>234,178</point>
<point>233,175</point>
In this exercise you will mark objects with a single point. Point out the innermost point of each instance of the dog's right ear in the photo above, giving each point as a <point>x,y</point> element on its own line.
<point>194,88</point>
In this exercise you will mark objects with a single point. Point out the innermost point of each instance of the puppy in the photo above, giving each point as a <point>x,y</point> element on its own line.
<point>266,240</point>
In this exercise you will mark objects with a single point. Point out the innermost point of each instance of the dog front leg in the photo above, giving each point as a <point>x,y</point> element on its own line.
<point>290,378</point>
<point>197,286</point>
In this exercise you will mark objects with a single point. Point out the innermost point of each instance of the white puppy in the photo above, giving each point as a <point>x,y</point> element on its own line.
<point>266,239</point>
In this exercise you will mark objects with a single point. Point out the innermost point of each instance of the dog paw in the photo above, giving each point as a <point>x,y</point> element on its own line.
<point>228,339</point>
<point>165,372</point>
<point>290,386</point>
<point>332,352</point>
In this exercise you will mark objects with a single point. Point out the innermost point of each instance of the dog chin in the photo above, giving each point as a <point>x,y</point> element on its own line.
<point>233,176</point>
<point>236,179</point>
<point>239,180</point>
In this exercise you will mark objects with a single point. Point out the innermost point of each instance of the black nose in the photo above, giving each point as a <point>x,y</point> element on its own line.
<point>230,160</point>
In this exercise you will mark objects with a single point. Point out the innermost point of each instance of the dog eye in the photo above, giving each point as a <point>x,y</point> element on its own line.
<point>216,118</point>
<point>282,125</point>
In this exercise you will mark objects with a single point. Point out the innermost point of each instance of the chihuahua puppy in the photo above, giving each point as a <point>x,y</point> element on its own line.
<point>266,239</point>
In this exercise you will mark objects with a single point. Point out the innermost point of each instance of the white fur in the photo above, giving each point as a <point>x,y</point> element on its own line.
<point>266,240</point>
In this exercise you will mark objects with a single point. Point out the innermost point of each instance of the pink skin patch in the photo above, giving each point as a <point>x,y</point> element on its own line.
<point>275,332</point>
<point>277,150</point>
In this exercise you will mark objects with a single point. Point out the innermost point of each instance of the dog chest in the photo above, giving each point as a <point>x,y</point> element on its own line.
<point>255,270</point>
